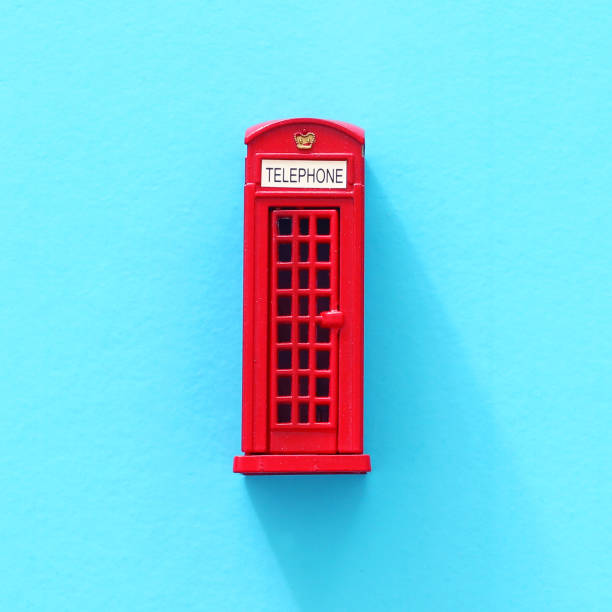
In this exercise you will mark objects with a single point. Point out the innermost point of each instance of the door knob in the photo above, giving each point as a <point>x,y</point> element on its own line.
<point>330,318</point>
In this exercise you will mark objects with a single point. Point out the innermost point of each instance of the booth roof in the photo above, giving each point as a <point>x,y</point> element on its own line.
<point>352,130</point>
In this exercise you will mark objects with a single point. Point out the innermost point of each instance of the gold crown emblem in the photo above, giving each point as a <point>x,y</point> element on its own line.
<point>304,141</point>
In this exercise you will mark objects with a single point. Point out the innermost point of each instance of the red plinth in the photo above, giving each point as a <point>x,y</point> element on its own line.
<point>302,464</point>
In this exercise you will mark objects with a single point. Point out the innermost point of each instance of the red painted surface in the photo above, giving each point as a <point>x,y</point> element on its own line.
<point>302,464</point>
<point>303,302</point>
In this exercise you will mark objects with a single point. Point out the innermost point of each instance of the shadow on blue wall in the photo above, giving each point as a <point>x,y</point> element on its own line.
<point>422,530</point>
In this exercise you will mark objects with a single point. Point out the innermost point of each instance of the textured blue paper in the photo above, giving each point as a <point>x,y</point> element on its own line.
<point>488,307</point>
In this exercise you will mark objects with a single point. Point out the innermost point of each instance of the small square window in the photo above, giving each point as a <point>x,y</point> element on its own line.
<point>284,359</point>
<point>322,360</point>
<point>283,413</point>
<point>303,332</point>
<point>283,385</point>
<point>323,251</point>
<point>284,251</point>
<point>322,334</point>
<point>304,223</point>
<point>284,226</point>
<point>322,387</point>
<point>304,274</point>
<point>323,279</point>
<point>283,304</point>
<point>283,332</point>
<point>304,251</point>
<point>303,359</point>
<point>303,305</point>
<point>322,413</point>
<point>323,227</point>
<point>322,304</point>
<point>303,412</point>
<point>303,385</point>
<point>284,279</point>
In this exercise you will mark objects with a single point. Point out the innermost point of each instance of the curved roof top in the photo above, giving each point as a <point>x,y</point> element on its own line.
<point>352,130</point>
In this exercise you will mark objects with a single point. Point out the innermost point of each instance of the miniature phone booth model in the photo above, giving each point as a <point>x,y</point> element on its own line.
<point>302,410</point>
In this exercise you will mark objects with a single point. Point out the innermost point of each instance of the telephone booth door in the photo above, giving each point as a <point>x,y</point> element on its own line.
<point>304,325</point>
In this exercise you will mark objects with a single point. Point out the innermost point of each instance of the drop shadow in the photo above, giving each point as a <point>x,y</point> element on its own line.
<point>310,523</point>
<point>442,522</point>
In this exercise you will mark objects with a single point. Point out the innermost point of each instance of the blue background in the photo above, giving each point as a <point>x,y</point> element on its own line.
<point>488,382</point>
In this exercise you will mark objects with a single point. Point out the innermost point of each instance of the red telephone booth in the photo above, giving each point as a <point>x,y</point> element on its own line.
<point>303,299</point>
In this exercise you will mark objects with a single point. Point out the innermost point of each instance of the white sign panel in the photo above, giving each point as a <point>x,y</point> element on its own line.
<point>303,173</point>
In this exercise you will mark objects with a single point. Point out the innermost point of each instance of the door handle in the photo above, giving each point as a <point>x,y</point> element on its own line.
<point>330,318</point>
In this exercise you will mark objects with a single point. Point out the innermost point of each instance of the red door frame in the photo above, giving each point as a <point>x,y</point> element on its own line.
<point>294,434</point>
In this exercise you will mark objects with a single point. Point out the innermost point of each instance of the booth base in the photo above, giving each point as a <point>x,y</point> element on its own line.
<point>302,464</point>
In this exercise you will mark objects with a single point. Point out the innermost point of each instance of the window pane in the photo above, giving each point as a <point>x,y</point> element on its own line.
<point>323,251</point>
<point>303,416</point>
<point>283,332</point>
<point>322,334</point>
<point>284,385</point>
<point>284,359</point>
<point>323,227</point>
<point>303,332</point>
<point>283,413</point>
<point>284,279</point>
<point>304,279</point>
<point>323,279</point>
<point>284,305</point>
<point>284,226</point>
<point>322,388</point>
<point>284,251</point>
<point>322,304</point>
<point>322,413</point>
<point>303,305</point>
<point>322,360</point>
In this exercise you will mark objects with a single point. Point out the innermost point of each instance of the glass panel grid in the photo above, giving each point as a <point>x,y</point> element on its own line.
<point>304,280</point>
